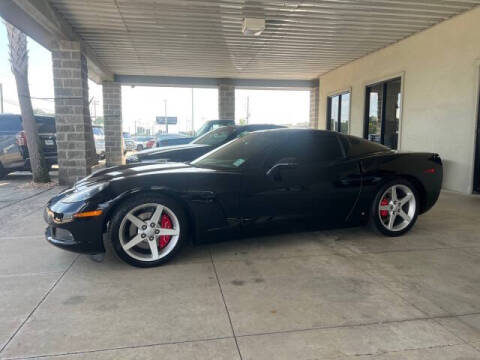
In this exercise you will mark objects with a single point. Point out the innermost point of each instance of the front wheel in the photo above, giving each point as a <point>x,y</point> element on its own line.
<point>395,208</point>
<point>148,230</point>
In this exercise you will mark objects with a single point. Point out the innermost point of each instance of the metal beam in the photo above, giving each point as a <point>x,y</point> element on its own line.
<point>180,81</point>
<point>38,20</point>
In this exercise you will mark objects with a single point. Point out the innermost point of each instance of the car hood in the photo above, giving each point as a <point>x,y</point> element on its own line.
<point>133,170</point>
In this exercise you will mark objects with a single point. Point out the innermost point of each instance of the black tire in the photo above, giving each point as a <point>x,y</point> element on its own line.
<point>139,147</point>
<point>378,222</point>
<point>134,202</point>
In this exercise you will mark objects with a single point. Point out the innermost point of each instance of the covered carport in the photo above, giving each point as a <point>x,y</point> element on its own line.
<point>333,294</point>
<point>201,43</point>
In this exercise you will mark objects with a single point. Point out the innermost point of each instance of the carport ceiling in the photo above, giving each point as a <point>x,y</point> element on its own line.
<point>203,37</point>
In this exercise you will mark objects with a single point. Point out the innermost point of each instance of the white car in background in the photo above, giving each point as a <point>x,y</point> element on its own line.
<point>143,142</point>
<point>99,137</point>
<point>128,142</point>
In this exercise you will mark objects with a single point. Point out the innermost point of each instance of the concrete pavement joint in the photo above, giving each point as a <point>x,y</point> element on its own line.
<point>27,198</point>
<point>225,304</point>
<point>119,348</point>
<point>4,276</point>
<point>409,349</point>
<point>262,334</point>
<point>411,303</point>
<point>39,303</point>
<point>354,325</point>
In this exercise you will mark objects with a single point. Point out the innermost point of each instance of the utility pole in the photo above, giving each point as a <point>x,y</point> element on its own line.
<point>166,120</point>
<point>95,109</point>
<point>1,98</point>
<point>248,109</point>
<point>193,123</point>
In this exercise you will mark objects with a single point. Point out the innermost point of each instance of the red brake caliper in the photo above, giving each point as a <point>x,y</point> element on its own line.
<point>384,213</point>
<point>165,223</point>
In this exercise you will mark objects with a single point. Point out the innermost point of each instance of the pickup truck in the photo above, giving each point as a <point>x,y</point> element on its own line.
<point>13,143</point>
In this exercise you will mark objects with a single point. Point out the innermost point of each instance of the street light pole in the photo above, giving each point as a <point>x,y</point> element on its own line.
<point>1,98</point>
<point>193,123</point>
<point>166,120</point>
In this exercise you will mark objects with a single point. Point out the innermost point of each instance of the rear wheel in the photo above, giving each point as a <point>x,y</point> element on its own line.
<point>148,230</point>
<point>395,208</point>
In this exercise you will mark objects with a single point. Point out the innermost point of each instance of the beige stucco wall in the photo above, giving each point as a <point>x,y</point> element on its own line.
<point>440,78</point>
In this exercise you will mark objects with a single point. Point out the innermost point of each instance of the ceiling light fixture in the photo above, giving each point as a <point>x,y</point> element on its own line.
<point>253,26</point>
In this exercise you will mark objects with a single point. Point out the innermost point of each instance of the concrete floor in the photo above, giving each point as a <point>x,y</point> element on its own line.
<point>339,294</point>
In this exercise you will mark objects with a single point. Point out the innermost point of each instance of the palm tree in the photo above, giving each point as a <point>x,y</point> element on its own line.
<point>19,62</point>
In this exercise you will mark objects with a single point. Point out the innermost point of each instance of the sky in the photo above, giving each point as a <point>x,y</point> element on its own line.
<point>140,105</point>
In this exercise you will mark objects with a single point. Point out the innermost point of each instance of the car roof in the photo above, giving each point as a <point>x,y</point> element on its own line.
<point>258,126</point>
<point>282,130</point>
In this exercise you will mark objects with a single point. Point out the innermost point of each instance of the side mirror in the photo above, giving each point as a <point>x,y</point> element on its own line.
<point>282,164</point>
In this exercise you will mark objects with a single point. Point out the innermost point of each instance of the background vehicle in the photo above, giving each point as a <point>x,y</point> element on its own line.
<point>142,142</point>
<point>129,144</point>
<point>182,139</point>
<point>199,146</point>
<point>207,127</point>
<point>264,177</point>
<point>13,142</point>
<point>99,138</point>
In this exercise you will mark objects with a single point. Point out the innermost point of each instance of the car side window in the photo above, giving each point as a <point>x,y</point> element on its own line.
<point>307,149</point>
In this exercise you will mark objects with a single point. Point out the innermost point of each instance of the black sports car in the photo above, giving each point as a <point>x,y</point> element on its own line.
<point>199,146</point>
<point>149,210</point>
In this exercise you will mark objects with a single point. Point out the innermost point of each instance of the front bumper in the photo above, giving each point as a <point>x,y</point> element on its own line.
<point>84,235</point>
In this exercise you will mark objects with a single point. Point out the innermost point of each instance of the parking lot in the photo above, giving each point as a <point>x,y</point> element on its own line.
<point>338,294</point>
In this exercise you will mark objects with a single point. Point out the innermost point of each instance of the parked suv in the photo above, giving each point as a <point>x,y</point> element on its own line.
<point>13,142</point>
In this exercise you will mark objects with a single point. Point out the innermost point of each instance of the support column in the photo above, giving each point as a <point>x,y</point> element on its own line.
<point>314,106</point>
<point>112,114</point>
<point>75,144</point>
<point>226,102</point>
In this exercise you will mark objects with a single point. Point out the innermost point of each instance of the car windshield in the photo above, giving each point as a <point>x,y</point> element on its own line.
<point>215,137</point>
<point>242,152</point>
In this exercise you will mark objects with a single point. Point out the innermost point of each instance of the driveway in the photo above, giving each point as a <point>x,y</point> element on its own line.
<point>338,294</point>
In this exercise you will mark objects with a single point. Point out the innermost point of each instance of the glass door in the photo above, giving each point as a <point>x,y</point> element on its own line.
<point>476,166</point>
<point>382,117</point>
<point>338,112</point>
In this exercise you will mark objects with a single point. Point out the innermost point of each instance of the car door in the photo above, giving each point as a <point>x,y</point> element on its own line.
<point>304,175</point>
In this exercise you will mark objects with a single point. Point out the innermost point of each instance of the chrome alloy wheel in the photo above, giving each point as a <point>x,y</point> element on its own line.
<point>397,207</point>
<point>149,232</point>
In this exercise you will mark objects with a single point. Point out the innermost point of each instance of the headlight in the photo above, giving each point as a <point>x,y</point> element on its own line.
<point>132,159</point>
<point>84,193</point>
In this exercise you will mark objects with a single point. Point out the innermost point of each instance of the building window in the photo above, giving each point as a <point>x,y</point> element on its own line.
<point>382,114</point>
<point>338,112</point>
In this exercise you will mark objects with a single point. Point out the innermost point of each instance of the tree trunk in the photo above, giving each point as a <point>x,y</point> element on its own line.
<point>19,62</point>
